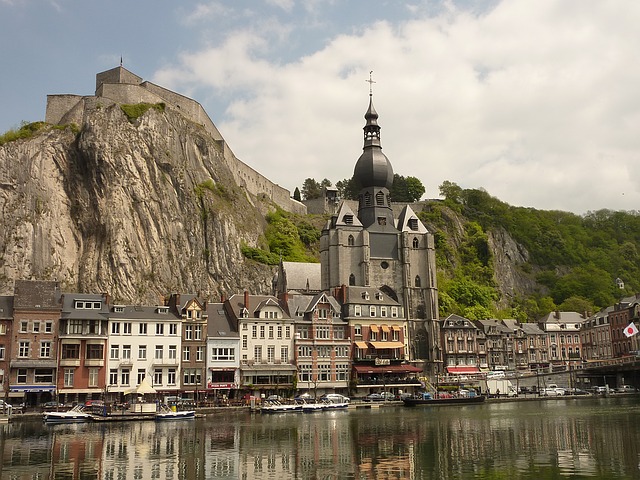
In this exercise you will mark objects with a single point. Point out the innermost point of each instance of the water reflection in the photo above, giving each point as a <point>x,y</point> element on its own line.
<point>595,438</point>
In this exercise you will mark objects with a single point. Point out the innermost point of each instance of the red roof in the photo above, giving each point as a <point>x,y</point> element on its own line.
<point>462,370</point>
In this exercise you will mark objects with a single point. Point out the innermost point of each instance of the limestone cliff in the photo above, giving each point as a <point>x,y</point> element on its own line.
<point>137,210</point>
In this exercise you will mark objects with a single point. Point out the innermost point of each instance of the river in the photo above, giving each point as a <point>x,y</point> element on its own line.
<point>542,439</point>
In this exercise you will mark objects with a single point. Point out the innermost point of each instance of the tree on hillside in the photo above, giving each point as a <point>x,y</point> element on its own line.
<point>451,191</point>
<point>409,189</point>
<point>347,189</point>
<point>296,194</point>
<point>312,189</point>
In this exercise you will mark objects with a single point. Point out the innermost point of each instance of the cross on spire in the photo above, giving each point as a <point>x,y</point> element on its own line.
<point>371,82</point>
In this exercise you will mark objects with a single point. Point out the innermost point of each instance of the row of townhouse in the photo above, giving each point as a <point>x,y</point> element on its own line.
<point>76,346</point>
<point>558,340</point>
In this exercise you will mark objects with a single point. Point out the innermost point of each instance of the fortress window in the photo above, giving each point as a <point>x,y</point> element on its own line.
<point>351,241</point>
<point>352,279</point>
<point>416,243</point>
<point>417,281</point>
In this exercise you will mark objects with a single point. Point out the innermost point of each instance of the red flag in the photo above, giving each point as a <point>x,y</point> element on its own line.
<point>630,330</point>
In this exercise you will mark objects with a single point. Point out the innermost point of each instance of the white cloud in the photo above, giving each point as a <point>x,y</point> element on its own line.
<point>535,101</point>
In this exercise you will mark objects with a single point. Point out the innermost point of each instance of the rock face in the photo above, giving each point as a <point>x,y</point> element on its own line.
<point>135,210</point>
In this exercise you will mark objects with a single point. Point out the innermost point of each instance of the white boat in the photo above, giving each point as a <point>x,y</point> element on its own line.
<point>335,402</point>
<point>166,413</point>
<point>75,415</point>
<point>277,407</point>
<point>335,405</point>
<point>312,407</point>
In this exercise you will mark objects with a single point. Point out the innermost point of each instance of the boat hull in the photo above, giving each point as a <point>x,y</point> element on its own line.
<point>184,415</point>
<point>412,402</point>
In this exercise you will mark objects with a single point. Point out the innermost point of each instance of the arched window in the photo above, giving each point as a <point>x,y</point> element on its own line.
<point>352,280</point>
<point>416,243</point>
<point>351,241</point>
<point>417,281</point>
<point>379,198</point>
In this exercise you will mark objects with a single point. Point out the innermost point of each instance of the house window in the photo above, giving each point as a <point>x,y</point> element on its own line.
<point>271,353</point>
<point>24,325</point>
<point>71,351</point>
<point>394,312</point>
<point>357,310</point>
<point>186,354</point>
<point>198,332</point>
<point>357,329</point>
<point>23,350</point>
<point>43,375</point>
<point>322,332</point>
<point>36,327</point>
<point>257,353</point>
<point>338,333</point>
<point>142,329</point>
<point>173,352</point>
<point>279,331</point>
<point>68,377</point>
<point>115,328</point>
<point>323,313</point>
<point>142,373</point>
<point>383,311</point>
<point>113,376</point>
<point>157,376</point>
<point>142,352</point>
<point>372,311</point>
<point>115,352</point>
<point>284,354</point>
<point>200,353</point>
<point>188,332</point>
<point>287,332</point>
<point>74,327</point>
<point>261,331</point>
<point>159,328</point>
<point>270,331</point>
<point>45,349</point>
<point>125,376</point>
<point>2,352</point>
<point>93,377</point>
<point>254,331</point>
<point>126,352</point>
<point>126,328</point>
<point>48,327</point>
<point>244,342</point>
<point>173,329</point>
<point>159,352</point>
<point>223,354</point>
<point>22,375</point>
<point>171,376</point>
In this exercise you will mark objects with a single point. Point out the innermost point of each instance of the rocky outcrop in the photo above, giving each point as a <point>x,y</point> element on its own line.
<point>136,210</point>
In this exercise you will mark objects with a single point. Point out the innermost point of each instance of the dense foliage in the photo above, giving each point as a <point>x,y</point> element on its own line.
<point>135,111</point>
<point>28,130</point>
<point>288,237</point>
<point>574,259</point>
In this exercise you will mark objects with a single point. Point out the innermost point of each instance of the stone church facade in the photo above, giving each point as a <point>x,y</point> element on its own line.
<point>373,248</point>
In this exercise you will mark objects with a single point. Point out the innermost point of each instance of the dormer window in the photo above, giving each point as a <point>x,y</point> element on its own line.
<point>118,308</point>
<point>379,296</point>
<point>348,219</point>
<point>163,310</point>
<point>365,295</point>
<point>413,224</point>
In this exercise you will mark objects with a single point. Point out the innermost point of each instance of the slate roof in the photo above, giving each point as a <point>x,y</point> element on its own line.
<point>302,277</point>
<point>6,307</point>
<point>36,295</point>
<point>140,312</point>
<point>69,311</point>
<point>219,324</point>
<point>355,296</point>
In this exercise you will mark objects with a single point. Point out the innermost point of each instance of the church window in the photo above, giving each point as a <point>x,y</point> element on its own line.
<point>382,220</point>
<point>367,199</point>
<point>352,279</point>
<point>413,223</point>
<point>379,198</point>
<point>348,219</point>
<point>416,242</point>
<point>418,282</point>
<point>351,241</point>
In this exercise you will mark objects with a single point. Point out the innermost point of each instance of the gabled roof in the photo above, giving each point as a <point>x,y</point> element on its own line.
<point>531,329</point>
<point>343,212</point>
<point>487,324</point>
<point>70,311</point>
<point>403,222</point>
<point>357,295</point>
<point>35,294</point>
<point>141,312</point>
<point>458,322</point>
<point>255,304</point>
<point>302,277</point>
<point>219,325</point>
<point>324,298</point>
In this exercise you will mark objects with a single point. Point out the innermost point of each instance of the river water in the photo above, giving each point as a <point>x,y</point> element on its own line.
<point>564,438</point>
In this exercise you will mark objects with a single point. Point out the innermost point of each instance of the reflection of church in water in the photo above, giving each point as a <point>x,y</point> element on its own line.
<point>381,267</point>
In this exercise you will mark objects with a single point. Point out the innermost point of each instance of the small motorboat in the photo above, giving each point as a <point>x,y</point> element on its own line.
<point>278,407</point>
<point>166,413</point>
<point>75,415</point>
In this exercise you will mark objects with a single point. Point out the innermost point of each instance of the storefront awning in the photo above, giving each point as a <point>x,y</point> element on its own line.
<point>460,370</point>
<point>32,388</point>
<point>362,345</point>
<point>387,369</point>
<point>381,345</point>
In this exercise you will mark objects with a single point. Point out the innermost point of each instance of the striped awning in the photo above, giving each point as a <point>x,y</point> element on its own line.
<point>362,345</point>
<point>385,328</point>
<point>373,328</point>
<point>381,345</point>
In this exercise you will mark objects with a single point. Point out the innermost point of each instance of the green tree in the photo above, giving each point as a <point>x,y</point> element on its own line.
<point>311,189</point>
<point>348,189</point>
<point>296,194</point>
<point>451,191</point>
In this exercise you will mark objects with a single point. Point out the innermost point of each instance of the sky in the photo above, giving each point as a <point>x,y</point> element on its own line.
<point>536,102</point>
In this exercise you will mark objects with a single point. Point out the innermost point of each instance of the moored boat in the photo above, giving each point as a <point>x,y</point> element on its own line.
<point>76,415</point>
<point>428,399</point>
<point>277,407</point>
<point>166,413</point>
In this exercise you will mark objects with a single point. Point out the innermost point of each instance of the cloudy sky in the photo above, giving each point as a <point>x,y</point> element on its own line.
<point>537,102</point>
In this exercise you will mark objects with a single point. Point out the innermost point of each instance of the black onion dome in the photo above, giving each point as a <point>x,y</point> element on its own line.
<point>373,168</point>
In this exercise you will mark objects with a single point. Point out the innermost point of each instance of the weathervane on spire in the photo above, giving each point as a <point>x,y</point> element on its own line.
<point>371,82</point>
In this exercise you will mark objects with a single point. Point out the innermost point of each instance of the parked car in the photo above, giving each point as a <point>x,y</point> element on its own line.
<point>626,389</point>
<point>379,397</point>
<point>552,389</point>
<point>577,391</point>
<point>601,389</point>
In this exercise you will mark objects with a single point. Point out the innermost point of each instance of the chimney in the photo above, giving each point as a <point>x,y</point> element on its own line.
<point>557,314</point>
<point>246,299</point>
<point>222,298</point>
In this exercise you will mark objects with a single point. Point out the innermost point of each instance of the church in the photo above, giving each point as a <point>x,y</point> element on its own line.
<point>388,261</point>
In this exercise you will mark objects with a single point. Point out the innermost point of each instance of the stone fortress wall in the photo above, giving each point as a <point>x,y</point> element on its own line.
<point>118,85</point>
